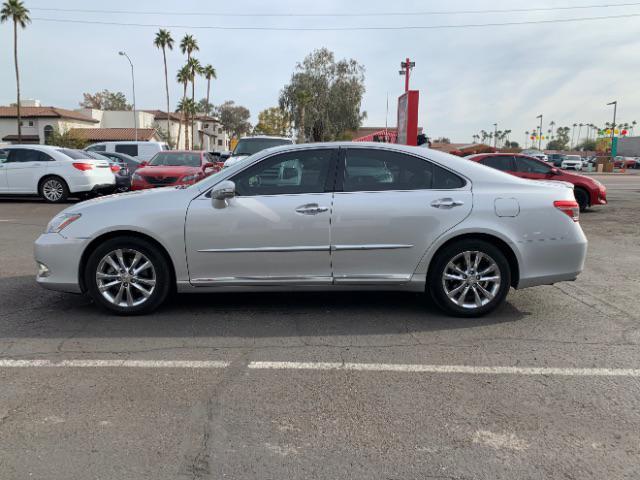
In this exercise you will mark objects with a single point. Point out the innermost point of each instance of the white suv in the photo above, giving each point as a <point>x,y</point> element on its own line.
<point>143,151</point>
<point>571,161</point>
<point>53,173</point>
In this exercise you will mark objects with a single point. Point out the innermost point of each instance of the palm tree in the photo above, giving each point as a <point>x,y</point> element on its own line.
<point>552,124</point>
<point>526,137</point>
<point>633,124</point>
<point>580,125</point>
<point>183,78</point>
<point>209,72</point>
<point>573,133</point>
<point>163,41</point>
<point>188,45</point>
<point>195,68</point>
<point>15,11</point>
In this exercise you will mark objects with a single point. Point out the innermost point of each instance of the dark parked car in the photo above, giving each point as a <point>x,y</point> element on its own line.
<point>122,166</point>
<point>127,164</point>
<point>588,191</point>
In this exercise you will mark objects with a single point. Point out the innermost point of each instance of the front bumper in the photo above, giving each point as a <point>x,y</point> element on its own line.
<point>61,257</point>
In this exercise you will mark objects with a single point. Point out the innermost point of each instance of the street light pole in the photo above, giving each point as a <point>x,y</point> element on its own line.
<point>613,125</point>
<point>133,82</point>
<point>540,133</point>
<point>495,135</point>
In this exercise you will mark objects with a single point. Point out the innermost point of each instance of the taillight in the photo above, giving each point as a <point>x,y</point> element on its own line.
<point>569,207</point>
<point>115,168</point>
<point>83,166</point>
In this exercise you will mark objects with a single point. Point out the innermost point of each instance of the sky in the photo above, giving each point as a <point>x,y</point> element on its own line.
<point>469,78</point>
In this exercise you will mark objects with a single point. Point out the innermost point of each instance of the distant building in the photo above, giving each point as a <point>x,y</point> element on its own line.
<point>629,146</point>
<point>39,122</point>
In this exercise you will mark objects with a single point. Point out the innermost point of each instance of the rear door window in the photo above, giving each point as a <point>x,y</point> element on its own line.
<point>500,162</point>
<point>23,155</point>
<point>128,149</point>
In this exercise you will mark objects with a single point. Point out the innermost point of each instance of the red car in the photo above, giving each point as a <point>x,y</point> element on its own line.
<point>588,191</point>
<point>174,167</point>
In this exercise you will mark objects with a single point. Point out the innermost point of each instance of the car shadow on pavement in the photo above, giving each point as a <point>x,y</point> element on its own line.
<point>30,311</point>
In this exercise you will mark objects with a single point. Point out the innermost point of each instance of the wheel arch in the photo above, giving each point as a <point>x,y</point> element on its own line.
<point>123,233</point>
<point>498,242</point>
<point>586,191</point>
<point>51,175</point>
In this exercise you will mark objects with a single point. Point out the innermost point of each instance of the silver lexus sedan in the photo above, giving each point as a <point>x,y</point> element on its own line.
<point>325,216</point>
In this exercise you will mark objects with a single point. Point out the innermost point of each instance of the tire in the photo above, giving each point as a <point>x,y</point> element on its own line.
<point>53,190</point>
<point>458,297</point>
<point>125,295</point>
<point>582,198</point>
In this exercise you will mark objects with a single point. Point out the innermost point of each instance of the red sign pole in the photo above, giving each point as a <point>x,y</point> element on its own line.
<point>406,75</point>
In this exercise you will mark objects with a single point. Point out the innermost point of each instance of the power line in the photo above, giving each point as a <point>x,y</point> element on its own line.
<point>360,14</point>
<point>329,29</point>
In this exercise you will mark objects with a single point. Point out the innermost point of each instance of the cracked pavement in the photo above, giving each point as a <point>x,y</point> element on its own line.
<point>68,423</point>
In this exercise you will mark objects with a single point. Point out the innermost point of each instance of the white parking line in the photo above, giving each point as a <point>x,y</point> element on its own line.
<point>413,368</point>
<point>207,364</point>
<point>326,366</point>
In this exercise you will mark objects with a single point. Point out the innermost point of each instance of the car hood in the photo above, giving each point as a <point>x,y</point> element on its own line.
<point>162,171</point>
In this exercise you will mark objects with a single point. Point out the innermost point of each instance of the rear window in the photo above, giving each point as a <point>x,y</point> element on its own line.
<point>96,148</point>
<point>176,159</point>
<point>128,149</point>
<point>75,154</point>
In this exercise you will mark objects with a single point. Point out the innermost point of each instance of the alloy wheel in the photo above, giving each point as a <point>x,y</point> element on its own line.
<point>52,190</point>
<point>471,279</point>
<point>126,277</point>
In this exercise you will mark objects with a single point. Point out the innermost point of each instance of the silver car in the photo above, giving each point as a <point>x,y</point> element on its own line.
<point>332,216</point>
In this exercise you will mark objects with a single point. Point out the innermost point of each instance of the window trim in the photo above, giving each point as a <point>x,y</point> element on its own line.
<point>329,183</point>
<point>339,186</point>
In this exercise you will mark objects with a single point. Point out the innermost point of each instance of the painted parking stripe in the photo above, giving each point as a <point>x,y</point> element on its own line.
<point>207,364</point>
<point>464,369</point>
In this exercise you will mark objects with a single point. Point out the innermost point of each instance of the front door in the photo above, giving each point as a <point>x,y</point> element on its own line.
<point>275,231</point>
<point>392,207</point>
<point>533,169</point>
<point>24,168</point>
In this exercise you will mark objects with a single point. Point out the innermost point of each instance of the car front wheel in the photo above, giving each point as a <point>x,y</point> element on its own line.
<point>127,276</point>
<point>469,278</point>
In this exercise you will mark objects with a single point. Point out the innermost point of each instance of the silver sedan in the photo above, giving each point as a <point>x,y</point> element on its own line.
<point>333,216</point>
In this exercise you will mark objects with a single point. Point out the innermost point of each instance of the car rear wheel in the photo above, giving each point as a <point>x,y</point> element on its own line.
<point>582,198</point>
<point>54,190</point>
<point>128,276</point>
<point>469,278</point>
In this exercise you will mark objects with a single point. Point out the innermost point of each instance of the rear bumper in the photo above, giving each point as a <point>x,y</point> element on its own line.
<point>551,261</point>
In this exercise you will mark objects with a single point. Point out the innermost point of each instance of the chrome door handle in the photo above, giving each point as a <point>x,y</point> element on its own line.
<point>446,203</point>
<point>311,209</point>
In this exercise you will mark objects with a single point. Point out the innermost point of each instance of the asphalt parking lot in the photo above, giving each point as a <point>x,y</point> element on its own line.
<point>349,385</point>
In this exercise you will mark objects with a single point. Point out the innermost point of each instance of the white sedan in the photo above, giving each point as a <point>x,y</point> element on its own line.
<point>53,173</point>
<point>571,161</point>
<point>333,216</point>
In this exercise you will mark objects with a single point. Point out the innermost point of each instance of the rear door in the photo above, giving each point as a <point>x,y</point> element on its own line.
<point>388,208</point>
<point>532,168</point>
<point>24,168</point>
<point>504,163</point>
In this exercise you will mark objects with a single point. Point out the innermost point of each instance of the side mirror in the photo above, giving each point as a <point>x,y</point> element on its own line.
<point>223,190</point>
<point>224,155</point>
<point>555,171</point>
<point>143,164</point>
<point>208,165</point>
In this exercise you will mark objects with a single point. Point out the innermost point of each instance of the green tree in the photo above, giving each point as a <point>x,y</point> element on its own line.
<point>188,45</point>
<point>561,141</point>
<point>588,145</point>
<point>66,139</point>
<point>273,121</point>
<point>205,108</point>
<point>234,118</point>
<point>209,73</point>
<point>105,100</point>
<point>331,95</point>
<point>183,78</point>
<point>164,41</point>
<point>15,11</point>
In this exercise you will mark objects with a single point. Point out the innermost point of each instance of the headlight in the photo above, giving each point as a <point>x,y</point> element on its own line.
<point>189,178</point>
<point>61,222</point>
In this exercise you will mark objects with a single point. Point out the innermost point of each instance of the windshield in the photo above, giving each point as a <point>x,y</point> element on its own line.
<point>249,146</point>
<point>176,159</point>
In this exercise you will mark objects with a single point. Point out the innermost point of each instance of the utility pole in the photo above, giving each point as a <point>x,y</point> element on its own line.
<point>495,135</point>
<point>406,66</point>
<point>133,81</point>
<point>613,127</point>
<point>540,133</point>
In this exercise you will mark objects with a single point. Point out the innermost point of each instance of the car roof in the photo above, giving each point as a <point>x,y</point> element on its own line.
<point>266,137</point>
